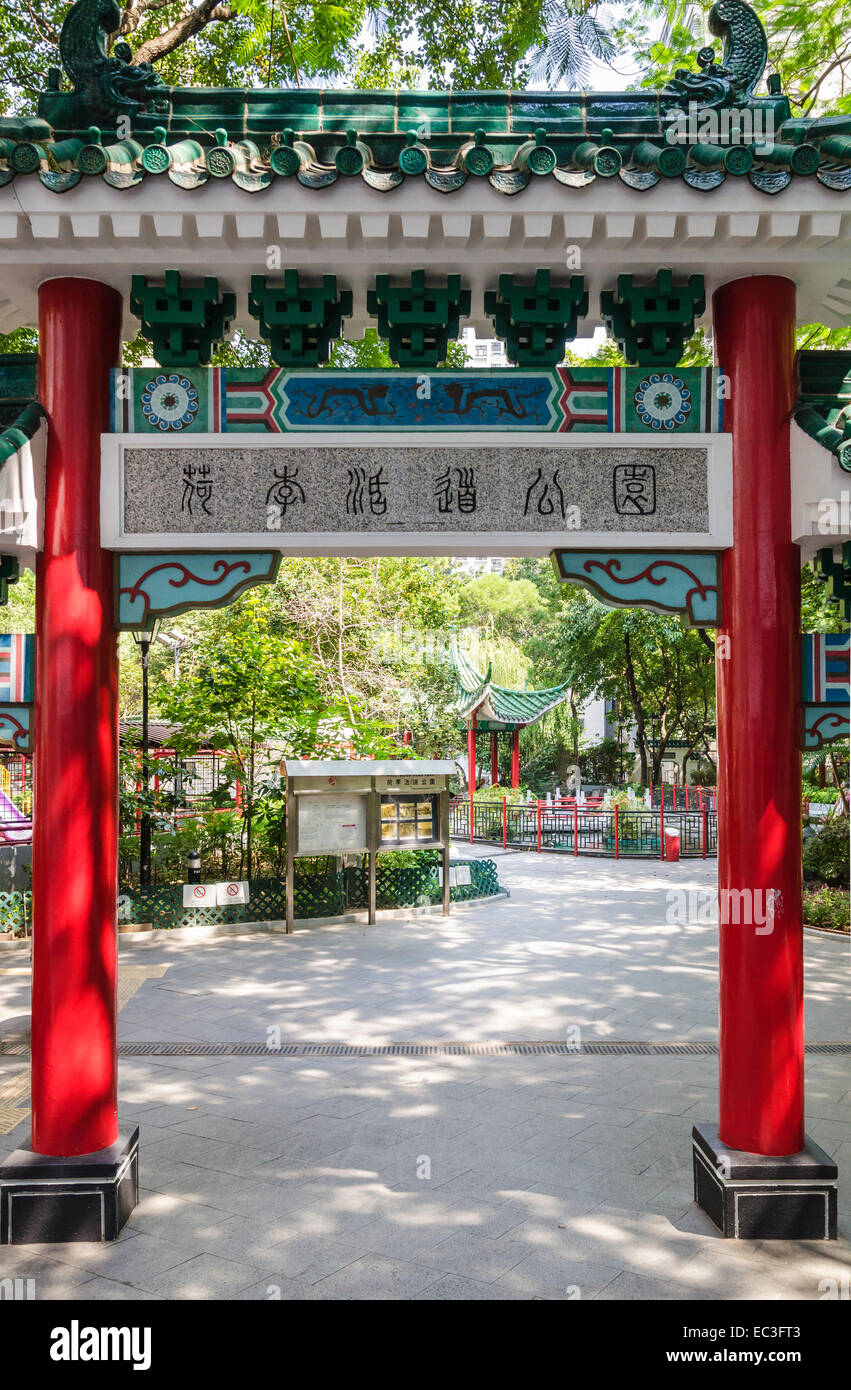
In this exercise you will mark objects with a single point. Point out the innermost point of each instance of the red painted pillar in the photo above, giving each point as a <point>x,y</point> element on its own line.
<point>759,765</point>
<point>515,758</point>
<point>494,760</point>
<point>471,773</point>
<point>75,844</point>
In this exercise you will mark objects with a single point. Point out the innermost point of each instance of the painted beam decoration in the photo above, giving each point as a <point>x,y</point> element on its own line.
<point>161,585</point>
<point>274,400</point>
<point>668,582</point>
<point>826,688</point>
<point>17,685</point>
<point>414,494</point>
<point>17,667</point>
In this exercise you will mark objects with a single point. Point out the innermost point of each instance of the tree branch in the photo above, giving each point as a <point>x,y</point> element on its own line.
<point>186,28</point>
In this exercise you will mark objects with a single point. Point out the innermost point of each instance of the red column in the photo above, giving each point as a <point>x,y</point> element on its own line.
<point>75,843</point>
<point>494,760</point>
<point>471,773</point>
<point>515,758</point>
<point>759,765</point>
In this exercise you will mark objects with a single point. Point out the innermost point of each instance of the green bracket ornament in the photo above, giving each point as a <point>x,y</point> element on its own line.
<point>652,323</point>
<point>184,323</point>
<point>536,320</point>
<point>417,320</point>
<point>299,322</point>
<point>10,573</point>
<point>836,574</point>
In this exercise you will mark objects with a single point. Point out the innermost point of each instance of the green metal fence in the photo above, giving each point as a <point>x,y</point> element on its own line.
<point>321,890</point>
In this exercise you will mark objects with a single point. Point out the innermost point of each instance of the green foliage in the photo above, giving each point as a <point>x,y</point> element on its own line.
<point>498,792</point>
<point>826,854</point>
<point>599,764</point>
<point>827,907</point>
<point>824,796</point>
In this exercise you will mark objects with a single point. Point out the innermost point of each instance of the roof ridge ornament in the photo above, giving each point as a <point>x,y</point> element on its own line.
<point>743,59</point>
<point>105,83</point>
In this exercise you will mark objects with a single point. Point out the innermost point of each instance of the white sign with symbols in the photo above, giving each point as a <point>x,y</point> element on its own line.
<point>199,894</point>
<point>332,824</point>
<point>458,875</point>
<point>231,894</point>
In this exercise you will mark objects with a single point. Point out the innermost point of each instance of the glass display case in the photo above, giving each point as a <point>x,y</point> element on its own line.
<point>407,821</point>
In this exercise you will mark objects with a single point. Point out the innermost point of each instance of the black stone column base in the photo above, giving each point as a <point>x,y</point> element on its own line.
<point>88,1197</point>
<point>754,1197</point>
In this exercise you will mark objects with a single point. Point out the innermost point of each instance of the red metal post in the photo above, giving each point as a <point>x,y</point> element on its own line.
<point>75,847</point>
<point>761,1041</point>
<point>539,825</point>
<point>662,821</point>
<point>515,758</point>
<point>504,822</point>
<point>617,841</point>
<point>471,771</point>
<point>703,831</point>
<point>576,827</point>
<point>494,760</point>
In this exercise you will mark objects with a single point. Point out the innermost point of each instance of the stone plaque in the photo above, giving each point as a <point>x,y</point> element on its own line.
<point>364,497</point>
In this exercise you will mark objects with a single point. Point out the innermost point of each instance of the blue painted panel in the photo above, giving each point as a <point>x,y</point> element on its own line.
<point>665,581</point>
<point>160,585</point>
<point>16,727</point>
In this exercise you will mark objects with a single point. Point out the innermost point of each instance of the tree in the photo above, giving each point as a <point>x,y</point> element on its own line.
<point>253,694</point>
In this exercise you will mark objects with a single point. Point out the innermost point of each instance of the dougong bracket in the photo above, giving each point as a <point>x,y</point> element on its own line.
<point>652,323</point>
<point>416,319</point>
<point>299,322</point>
<point>536,320</point>
<point>184,323</point>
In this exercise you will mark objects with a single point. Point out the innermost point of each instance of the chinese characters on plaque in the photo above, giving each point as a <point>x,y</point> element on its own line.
<point>429,490</point>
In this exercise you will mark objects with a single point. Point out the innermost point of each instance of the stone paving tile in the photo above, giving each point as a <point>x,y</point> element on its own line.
<point>553,1274</point>
<point>204,1277</point>
<point>378,1278</point>
<point>629,1286</point>
<point>452,1288</point>
<point>51,1278</point>
<point>171,1218</point>
<point>136,1259</point>
<point>545,1171</point>
<point>473,1256</point>
<point>108,1290</point>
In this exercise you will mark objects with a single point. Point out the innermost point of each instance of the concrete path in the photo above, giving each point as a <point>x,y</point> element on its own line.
<point>455,1177</point>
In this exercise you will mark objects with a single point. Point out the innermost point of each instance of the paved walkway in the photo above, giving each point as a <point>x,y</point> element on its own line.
<point>456,1177</point>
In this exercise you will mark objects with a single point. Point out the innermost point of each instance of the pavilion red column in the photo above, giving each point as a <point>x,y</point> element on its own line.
<point>759,764</point>
<point>75,842</point>
<point>494,760</point>
<point>471,754</point>
<point>515,758</point>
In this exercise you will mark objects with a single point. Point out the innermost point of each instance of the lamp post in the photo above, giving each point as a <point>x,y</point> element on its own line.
<point>143,637</point>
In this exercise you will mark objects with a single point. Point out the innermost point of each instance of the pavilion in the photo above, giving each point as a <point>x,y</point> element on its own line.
<point>487,707</point>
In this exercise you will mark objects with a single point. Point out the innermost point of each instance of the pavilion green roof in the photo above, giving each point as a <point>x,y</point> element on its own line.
<point>499,705</point>
<point>318,137</point>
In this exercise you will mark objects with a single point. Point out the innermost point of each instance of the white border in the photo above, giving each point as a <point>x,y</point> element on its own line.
<point>719,536</point>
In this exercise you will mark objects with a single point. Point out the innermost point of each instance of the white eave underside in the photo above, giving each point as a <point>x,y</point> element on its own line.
<point>356,232</point>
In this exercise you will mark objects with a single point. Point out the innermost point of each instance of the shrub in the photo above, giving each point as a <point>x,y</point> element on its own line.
<point>827,907</point>
<point>826,854</point>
